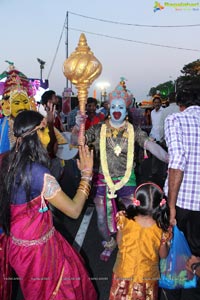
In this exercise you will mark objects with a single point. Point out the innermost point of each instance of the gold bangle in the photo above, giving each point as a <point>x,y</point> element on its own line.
<point>84,186</point>
<point>85,182</point>
<point>84,192</point>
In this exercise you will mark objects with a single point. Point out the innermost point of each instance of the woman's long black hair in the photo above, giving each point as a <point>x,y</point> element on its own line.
<point>15,163</point>
<point>150,196</point>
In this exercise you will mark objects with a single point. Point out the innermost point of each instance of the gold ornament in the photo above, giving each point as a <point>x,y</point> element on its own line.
<point>113,187</point>
<point>82,68</point>
<point>115,132</point>
<point>117,150</point>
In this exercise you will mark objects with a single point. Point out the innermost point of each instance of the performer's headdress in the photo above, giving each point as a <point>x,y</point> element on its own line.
<point>121,92</point>
<point>16,82</point>
<point>16,85</point>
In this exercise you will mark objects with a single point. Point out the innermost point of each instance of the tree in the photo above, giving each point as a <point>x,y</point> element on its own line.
<point>192,69</point>
<point>152,91</point>
<point>191,77</point>
<point>164,89</point>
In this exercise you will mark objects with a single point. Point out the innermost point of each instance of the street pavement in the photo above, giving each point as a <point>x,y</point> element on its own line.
<point>99,271</point>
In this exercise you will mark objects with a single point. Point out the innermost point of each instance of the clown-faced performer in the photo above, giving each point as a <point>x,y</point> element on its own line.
<point>19,101</point>
<point>15,99</point>
<point>114,177</point>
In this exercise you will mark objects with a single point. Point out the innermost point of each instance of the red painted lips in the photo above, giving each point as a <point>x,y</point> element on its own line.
<point>117,115</point>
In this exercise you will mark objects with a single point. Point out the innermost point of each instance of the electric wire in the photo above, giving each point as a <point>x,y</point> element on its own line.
<point>136,25</point>
<point>54,58</point>
<point>138,42</point>
<point>119,38</point>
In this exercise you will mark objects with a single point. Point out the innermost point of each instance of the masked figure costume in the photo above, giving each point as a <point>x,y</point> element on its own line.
<point>114,177</point>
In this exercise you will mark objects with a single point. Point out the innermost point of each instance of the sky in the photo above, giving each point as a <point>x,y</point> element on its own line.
<point>36,29</point>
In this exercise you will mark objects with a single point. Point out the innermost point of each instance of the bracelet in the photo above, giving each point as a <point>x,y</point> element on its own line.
<point>194,266</point>
<point>89,178</point>
<point>84,183</point>
<point>86,169</point>
<point>84,187</point>
<point>86,193</point>
<point>87,174</point>
<point>163,242</point>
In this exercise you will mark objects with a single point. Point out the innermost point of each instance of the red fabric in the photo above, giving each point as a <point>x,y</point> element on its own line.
<point>50,268</point>
<point>58,123</point>
<point>126,288</point>
<point>5,270</point>
<point>95,120</point>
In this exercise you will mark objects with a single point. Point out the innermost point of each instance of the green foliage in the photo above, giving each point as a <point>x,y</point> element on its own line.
<point>192,69</point>
<point>152,91</point>
<point>190,79</point>
<point>164,89</point>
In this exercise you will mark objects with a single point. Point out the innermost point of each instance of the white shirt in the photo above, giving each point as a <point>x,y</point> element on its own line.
<point>41,110</point>
<point>172,108</point>
<point>155,119</point>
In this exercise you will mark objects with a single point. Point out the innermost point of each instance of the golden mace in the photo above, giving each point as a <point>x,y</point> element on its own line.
<point>82,68</point>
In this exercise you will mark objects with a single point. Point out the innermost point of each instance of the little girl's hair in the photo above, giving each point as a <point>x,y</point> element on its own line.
<point>149,200</point>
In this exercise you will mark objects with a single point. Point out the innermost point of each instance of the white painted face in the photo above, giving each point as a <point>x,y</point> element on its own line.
<point>118,111</point>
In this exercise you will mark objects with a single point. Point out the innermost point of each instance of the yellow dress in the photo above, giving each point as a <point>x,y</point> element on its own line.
<point>136,270</point>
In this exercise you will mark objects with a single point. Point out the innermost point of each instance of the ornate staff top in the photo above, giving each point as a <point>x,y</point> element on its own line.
<point>82,68</point>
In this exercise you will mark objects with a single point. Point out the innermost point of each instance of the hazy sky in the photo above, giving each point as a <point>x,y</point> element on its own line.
<point>31,29</point>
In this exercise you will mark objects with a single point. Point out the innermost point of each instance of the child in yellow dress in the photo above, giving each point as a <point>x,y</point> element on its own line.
<point>143,237</point>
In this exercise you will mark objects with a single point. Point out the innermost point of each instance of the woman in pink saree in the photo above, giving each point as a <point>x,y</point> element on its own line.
<point>46,265</point>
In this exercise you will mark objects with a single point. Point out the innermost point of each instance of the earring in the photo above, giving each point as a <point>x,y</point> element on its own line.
<point>126,118</point>
<point>109,117</point>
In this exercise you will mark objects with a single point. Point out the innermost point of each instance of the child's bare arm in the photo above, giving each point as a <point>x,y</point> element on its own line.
<point>165,243</point>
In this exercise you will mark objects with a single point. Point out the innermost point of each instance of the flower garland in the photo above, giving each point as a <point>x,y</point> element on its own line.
<point>113,187</point>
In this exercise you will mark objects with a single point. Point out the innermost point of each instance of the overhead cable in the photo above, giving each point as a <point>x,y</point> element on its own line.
<point>119,38</point>
<point>54,58</point>
<point>138,42</point>
<point>136,25</point>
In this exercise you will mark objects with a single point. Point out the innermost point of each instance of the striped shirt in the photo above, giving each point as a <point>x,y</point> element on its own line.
<point>182,133</point>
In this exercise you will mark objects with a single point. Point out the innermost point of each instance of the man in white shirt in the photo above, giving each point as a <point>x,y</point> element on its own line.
<point>155,118</point>
<point>172,108</point>
<point>158,168</point>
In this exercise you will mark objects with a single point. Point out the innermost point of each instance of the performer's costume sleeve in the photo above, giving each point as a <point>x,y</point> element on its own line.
<point>157,151</point>
<point>143,140</point>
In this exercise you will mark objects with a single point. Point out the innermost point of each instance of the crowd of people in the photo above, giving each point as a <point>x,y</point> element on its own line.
<point>138,198</point>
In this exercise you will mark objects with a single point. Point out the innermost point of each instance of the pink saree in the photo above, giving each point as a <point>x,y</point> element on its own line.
<point>5,270</point>
<point>47,266</point>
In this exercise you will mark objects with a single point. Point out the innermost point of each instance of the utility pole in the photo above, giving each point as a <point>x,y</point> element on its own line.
<point>66,42</point>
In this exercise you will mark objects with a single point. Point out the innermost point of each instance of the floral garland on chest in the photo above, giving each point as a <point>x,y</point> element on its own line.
<point>104,139</point>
